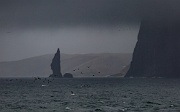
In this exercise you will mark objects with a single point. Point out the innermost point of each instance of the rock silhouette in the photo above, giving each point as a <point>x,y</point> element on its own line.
<point>56,66</point>
<point>157,52</point>
<point>67,75</point>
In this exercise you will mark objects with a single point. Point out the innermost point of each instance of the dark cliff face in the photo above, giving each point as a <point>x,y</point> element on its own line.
<point>157,52</point>
<point>55,66</point>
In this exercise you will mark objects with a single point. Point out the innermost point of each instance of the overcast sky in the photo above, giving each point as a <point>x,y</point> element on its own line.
<point>35,27</point>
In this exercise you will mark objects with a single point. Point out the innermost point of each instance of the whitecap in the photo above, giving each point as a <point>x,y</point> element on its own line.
<point>67,108</point>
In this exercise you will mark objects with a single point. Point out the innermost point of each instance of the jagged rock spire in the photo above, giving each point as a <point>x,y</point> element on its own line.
<point>56,66</point>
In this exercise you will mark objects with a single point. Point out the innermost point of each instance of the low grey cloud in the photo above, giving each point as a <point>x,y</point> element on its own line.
<point>57,13</point>
<point>34,27</point>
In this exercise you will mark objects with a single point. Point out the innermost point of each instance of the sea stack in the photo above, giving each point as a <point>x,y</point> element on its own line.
<point>56,66</point>
<point>157,52</point>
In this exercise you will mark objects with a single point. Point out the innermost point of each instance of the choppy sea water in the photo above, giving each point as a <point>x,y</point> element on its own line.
<point>89,95</point>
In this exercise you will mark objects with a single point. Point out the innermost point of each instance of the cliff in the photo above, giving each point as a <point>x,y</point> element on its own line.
<point>157,52</point>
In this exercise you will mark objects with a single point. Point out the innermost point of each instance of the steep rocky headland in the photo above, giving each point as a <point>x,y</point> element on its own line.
<point>157,52</point>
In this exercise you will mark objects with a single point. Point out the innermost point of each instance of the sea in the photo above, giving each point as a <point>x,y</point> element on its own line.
<point>89,95</point>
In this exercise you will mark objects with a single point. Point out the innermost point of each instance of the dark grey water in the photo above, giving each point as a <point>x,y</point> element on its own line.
<point>90,95</point>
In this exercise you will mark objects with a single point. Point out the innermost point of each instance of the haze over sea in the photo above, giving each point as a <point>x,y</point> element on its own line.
<point>89,95</point>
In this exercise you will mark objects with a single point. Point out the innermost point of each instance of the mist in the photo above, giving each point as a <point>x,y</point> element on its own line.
<point>37,27</point>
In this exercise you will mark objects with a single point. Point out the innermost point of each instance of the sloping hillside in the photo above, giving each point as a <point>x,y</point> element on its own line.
<point>80,65</point>
<point>122,73</point>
